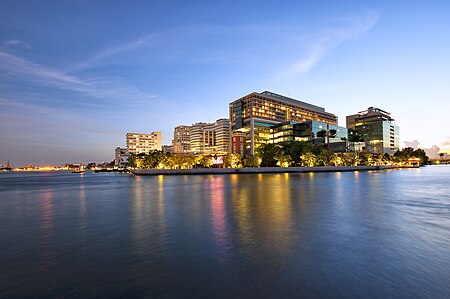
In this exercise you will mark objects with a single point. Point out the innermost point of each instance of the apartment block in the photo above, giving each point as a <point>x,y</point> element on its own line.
<point>210,138</point>
<point>138,143</point>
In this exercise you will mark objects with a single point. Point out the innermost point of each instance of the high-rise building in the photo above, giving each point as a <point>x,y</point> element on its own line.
<point>376,128</point>
<point>138,143</point>
<point>210,138</point>
<point>255,113</point>
<point>180,142</point>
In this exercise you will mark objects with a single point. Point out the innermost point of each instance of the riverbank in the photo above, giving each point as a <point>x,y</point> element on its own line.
<point>200,171</point>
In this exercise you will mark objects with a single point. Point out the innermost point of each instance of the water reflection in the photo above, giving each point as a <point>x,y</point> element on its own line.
<point>218,213</point>
<point>46,250</point>
<point>322,235</point>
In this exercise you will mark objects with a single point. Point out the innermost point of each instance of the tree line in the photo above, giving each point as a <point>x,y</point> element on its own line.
<point>294,153</point>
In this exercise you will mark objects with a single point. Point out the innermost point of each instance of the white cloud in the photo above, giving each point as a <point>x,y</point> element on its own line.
<point>325,42</point>
<point>100,88</point>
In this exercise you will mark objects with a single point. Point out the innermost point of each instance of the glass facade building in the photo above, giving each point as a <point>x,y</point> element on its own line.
<point>255,114</point>
<point>376,128</point>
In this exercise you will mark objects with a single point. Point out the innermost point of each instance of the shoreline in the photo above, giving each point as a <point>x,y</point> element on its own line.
<point>202,171</point>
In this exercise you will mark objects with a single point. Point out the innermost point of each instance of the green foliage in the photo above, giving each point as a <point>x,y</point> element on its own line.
<point>205,161</point>
<point>267,152</point>
<point>233,161</point>
<point>324,157</point>
<point>283,160</point>
<point>295,149</point>
<point>309,159</point>
<point>251,161</point>
<point>408,152</point>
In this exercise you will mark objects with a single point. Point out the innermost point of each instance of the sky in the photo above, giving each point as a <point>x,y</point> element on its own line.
<point>75,76</point>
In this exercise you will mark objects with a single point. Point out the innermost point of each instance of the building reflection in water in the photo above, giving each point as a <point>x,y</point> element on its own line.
<point>148,213</point>
<point>218,214</point>
<point>263,213</point>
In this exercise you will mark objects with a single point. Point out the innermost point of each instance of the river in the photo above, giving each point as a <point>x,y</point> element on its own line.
<point>377,234</point>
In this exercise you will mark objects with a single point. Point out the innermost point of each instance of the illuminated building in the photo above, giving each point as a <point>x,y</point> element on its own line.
<point>210,138</point>
<point>255,113</point>
<point>180,142</point>
<point>376,128</point>
<point>138,143</point>
<point>312,131</point>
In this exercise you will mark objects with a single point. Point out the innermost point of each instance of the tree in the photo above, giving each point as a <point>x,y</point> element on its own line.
<point>283,160</point>
<point>251,161</point>
<point>441,155</point>
<point>309,159</point>
<point>267,152</point>
<point>324,157</point>
<point>205,161</point>
<point>233,161</point>
<point>296,149</point>
<point>337,160</point>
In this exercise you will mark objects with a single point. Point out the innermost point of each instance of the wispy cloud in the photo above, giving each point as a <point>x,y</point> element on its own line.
<point>326,41</point>
<point>102,88</point>
<point>14,42</point>
<point>117,49</point>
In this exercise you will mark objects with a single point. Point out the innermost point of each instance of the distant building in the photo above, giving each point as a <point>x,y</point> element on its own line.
<point>121,157</point>
<point>210,138</point>
<point>181,139</point>
<point>376,128</point>
<point>255,113</point>
<point>138,143</point>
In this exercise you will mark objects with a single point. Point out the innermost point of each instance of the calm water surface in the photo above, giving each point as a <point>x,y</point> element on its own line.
<point>324,235</point>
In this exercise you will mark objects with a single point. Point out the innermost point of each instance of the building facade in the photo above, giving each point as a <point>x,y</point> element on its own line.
<point>210,138</point>
<point>311,131</point>
<point>255,113</point>
<point>376,128</point>
<point>138,143</point>
<point>181,139</point>
<point>121,156</point>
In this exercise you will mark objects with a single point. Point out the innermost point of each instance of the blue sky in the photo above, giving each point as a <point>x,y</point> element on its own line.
<point>75,76</point>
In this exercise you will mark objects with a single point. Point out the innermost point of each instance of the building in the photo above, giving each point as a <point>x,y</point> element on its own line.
<point>312,131</point>
<point>138,143</point>
<point>255,113</point>
<point>210,138</point>
<point>376,128</point>
<point>238,143</point>
<point>181,143</point>
<point>121,157</point>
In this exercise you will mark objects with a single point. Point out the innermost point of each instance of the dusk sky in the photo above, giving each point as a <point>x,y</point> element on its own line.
<point>75,76</point>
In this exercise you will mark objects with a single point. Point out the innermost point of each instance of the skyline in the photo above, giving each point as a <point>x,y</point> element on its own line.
<point>75,77</point>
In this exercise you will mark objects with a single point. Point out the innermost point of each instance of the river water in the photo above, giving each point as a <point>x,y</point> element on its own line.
<point>379,234</point>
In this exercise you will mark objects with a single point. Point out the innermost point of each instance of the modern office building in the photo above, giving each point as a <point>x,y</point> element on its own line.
<point>181,142</point>
<point>210,138</point>
<point>312,131</point>
<point>376,128</point>
<point>255,113</point>
<point>121,156</point>
<point>138,143</point>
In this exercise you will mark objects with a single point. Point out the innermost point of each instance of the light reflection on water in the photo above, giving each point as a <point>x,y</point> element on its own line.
<point>357,234</point>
